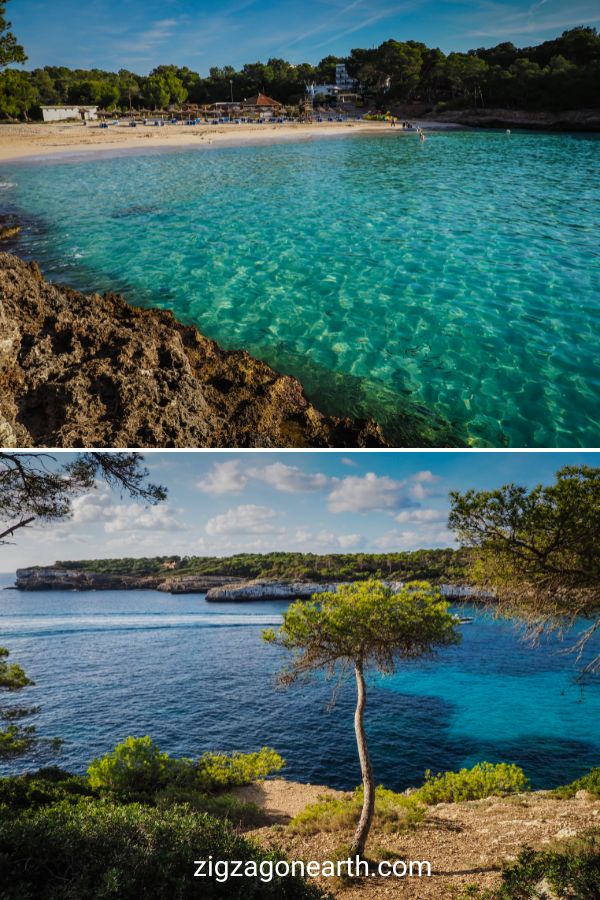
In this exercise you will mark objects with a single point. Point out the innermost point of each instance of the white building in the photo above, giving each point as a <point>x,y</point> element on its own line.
<point>343,81</point>
<point>343,84</point>
<point>62,113</point>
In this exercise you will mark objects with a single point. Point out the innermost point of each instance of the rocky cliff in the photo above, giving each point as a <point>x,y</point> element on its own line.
<point>82,370</point>
<point>218,588</point>
<point>53,578</point>
<point>266,589</point>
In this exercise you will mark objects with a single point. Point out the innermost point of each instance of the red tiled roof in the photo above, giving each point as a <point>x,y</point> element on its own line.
<point>261,100</point>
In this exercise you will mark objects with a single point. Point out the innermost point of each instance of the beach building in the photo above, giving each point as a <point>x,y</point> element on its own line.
<point>345,88</point>
<point>63,113</point>
<point>343,82</point>
<point>262,106</point>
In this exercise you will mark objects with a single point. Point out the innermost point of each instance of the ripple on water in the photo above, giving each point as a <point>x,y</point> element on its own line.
<point>462,276</point>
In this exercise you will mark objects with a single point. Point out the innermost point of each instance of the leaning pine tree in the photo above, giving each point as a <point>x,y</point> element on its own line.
<point>360,626</point>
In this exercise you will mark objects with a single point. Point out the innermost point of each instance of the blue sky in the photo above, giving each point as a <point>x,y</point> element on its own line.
<point>139,34</point>
<point>222,503</point>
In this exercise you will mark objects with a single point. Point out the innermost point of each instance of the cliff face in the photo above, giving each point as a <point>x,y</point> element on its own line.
<point>84,370</point>
<point>303,590</point>
<point>56,579</point>
<point>53,578</point>
<point>218,588</point>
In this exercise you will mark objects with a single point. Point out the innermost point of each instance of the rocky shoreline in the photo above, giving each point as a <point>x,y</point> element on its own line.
<point>569,120</point>
<point>81,370</point>
<point>218,588</point>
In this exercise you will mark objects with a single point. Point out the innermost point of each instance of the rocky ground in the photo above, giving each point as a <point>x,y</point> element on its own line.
<point>81,370</point>
<point>466,843</point>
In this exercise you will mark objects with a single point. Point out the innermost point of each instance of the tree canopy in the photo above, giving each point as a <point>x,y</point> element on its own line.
<point>34,487</point>
<point>10,50</point>
<point>537,550</point>
<point>359,627</point>
<point>562,73</point>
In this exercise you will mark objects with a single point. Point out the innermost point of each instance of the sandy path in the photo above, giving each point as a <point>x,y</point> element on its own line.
<point>41,140</point>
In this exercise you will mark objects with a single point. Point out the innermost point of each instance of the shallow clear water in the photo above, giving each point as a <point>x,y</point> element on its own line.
<point>460,276</point>
<point>196,676</point>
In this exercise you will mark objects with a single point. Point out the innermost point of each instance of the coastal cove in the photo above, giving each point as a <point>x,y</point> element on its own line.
<point>196,676</point>
<point>394,280</point>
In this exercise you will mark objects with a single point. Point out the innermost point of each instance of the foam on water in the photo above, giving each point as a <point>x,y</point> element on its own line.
<point>460,277</point>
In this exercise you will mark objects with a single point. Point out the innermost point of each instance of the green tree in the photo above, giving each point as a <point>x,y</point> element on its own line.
<point>156,92</point>
<point>10,50</point>
<point>17,95</point>
<point>363,626</point>
<point>33,486</point>
<point>16,739</point>
<point>538,550</point>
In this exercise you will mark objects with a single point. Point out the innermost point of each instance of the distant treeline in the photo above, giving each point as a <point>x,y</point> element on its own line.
<point>563,73</point>
<point>435,565</point>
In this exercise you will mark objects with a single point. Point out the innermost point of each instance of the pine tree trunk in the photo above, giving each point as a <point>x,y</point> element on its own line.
<point>366,816</point>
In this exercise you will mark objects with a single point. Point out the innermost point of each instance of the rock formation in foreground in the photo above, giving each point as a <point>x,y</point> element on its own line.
<point>81,370</point>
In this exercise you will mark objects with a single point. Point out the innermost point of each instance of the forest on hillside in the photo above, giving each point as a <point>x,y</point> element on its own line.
<point>562,73</point>
<point>435,565</point>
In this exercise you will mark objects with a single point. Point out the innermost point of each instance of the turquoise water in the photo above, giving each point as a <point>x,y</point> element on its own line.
<point>457,279</point>
<point>196,676</point>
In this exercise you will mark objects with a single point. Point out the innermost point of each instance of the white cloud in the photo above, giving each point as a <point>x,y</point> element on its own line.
<point>223,478</point>
<point>93,506</point>
<point>421,515</point>
<point>246,519</point>
<point>370,493</point>
<point>426,477</point>
<point>291,479</point>
<point>346,541</point>
<point>132,517</point>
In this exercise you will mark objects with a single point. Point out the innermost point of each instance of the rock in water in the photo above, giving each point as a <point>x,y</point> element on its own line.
<point>81,370</point>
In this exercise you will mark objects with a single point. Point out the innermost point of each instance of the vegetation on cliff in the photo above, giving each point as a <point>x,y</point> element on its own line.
<point>439,565</point>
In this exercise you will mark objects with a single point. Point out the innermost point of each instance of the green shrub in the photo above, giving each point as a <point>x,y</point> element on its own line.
<point>589,782</point>
<point>221,770</point>
<point>99,850</point>
<point>137,769</point>
<point>136,766</point>
<point>483,780</point>
<point>393,812</point>
<point>571,870</point>
<point>223,806</point>
<point>41,788</point>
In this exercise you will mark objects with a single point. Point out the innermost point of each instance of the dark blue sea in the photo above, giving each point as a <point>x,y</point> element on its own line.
<point>196,676</point>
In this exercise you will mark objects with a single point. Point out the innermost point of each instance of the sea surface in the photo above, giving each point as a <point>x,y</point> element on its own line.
<point>456,280</point>
<point>196,676</point>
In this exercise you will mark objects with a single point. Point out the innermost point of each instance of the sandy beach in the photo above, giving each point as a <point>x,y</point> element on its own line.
<point>41,140</point>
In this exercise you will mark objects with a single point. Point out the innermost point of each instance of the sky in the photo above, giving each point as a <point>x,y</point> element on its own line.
<point>321,502</point>
<point>140,34</point>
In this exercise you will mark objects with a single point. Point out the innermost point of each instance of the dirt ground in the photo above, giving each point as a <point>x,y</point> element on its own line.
<point>465,843</point>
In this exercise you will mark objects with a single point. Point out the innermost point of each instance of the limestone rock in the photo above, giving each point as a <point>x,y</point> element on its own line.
<point>82,370</point>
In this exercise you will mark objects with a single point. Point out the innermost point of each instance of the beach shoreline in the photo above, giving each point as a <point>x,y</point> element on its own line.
<point>39,141</point>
